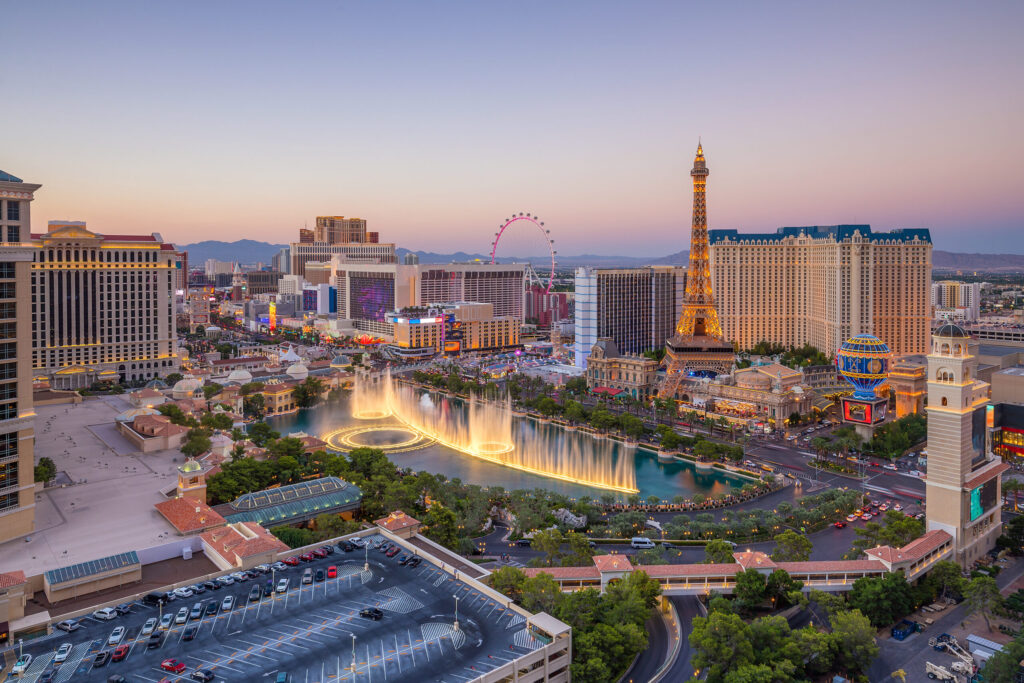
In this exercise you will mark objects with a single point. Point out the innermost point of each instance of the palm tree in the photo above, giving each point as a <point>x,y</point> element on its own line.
<point>692,417</point>
<point>1013,486</point>
<point>820,445</point>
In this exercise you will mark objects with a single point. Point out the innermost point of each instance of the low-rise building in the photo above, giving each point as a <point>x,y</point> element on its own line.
<point>241,544</point>
<point>769,392</point>
<point>150,433</point>
<point>633,374</point>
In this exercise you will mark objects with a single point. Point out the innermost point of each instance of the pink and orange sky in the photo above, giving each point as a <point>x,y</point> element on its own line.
<point>436,120</point>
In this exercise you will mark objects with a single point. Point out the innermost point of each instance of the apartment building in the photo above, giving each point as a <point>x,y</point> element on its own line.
<point>956,300</point>
<point>821,285</point>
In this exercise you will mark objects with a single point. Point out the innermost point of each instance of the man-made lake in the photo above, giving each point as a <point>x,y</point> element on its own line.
<point>542,455</point>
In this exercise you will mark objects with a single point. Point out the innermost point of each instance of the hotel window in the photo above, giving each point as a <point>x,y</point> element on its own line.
<point>13,210</point>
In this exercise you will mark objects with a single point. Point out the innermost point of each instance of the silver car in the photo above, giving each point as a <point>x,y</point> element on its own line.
<point>116,636</point>
<point>149,626</point>
<point>62,653</point>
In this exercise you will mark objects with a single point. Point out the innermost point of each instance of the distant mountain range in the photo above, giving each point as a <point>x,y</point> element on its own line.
<point>252,251</point>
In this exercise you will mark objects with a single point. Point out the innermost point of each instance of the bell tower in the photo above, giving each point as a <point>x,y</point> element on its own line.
<point>963,491</point>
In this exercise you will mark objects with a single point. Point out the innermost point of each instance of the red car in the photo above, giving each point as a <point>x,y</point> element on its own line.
<point>839,525</point>
<point>172,665</point>
<point>332,572</point>
<point>120,653</point>
<point>306,557</point>
<point>393,551</point>
<point>291,561</point>
<point>319,552</point>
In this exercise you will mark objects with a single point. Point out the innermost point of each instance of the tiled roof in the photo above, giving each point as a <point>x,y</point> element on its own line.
<point>189,515</point>
<point>754,559</point>
<point>156,425</point>
<point>565,572</point>
<point>10,579</point>
<point>664,571</point>
<point>612,563</point>
<point>990,474</point>
<point>396,521</point>
<point>831,566</point>
<point>912,551</point>
<point>242,540</point>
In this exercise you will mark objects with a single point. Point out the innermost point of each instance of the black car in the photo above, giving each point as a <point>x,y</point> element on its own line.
<point>155,640</point>
<point>198,588</point>
<point>202,675</point>
<point>47,676</point>
<point>268,589</point>
<point>154,599</point>
<point>347,547</point>
<point>415,562</point>
<point>255,594</point>
<point>524,542</point>
<point>101,658</point>
<point>329,549</point>
<point>211,608</point>
<point>211,585</point>
<point>116,678</point>
<point>190,632</point>
<point>320,576</point>
<point>371,613</point>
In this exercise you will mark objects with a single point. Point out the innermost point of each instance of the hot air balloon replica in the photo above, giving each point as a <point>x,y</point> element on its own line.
<point>863,361</point>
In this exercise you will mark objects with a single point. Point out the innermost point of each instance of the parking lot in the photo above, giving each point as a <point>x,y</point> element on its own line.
<point>309,631</point>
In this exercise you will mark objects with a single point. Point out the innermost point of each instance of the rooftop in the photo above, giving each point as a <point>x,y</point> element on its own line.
<point>8,178</point>
<point>188,515</point>
<point>61,575</point>
<point>293,502</point>
<point>836,233</point>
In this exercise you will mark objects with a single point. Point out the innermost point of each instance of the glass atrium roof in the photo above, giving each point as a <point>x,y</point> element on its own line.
<point>77,571</point>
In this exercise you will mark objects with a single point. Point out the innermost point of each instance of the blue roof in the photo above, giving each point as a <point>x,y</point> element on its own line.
<point>8,178</point>
<point>77,571</point>
<point>837,232</point>
<point>295,502</point>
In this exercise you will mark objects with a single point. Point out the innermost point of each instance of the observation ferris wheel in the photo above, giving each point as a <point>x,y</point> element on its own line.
<point>526,218</point>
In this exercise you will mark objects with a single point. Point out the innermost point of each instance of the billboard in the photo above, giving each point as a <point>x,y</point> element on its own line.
<point>864,412</point>
<point>371,296</point>
<point>983,499</point>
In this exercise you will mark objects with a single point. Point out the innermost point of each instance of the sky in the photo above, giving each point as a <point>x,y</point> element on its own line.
<point>436,121</point>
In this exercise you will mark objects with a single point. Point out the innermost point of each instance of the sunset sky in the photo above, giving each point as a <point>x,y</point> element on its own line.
<point>434,121</point>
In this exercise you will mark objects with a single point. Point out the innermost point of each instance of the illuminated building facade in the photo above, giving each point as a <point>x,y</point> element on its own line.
<point>634,307</point>
<point>821,285</point>
<point>631,373</point>
<point>963,489</point>
<point>102,306</point>
<point>339,237</point>
<point>17,424</point>
<point>698,345</point>
<point>908,378</point>
<point>453,328</point>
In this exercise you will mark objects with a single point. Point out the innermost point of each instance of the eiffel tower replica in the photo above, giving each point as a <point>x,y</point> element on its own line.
<point>697,349</point>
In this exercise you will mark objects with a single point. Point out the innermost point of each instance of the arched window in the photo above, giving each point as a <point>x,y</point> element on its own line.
<point>944,401</point>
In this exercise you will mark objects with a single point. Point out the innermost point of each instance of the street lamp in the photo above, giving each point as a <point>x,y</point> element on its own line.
<point>353,655</point>
<point>456,626</point>
<point>366,560</point>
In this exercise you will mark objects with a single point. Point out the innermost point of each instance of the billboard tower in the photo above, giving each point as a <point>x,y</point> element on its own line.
<point>963,491</point>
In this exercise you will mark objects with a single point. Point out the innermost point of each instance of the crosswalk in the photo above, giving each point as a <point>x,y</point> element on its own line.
<point>71,663</point>
<point>397,600</point>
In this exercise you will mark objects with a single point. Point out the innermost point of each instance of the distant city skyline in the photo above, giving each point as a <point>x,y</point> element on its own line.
<point>237,120</point>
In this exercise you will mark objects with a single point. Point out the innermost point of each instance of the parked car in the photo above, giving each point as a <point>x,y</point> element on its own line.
<point>204,675</point>
<point>116,636</point>
<point>866,516</point>
<point>116,678</point>
<point>173,666</point>
<point>357,541</point>
<point>319,576</point>
<point>155,641</point>
<point>182,616</point>
<point>291,561</point>
<point>22,665</point>
<point>62,653</point>
<point>307,576</point>
<point>332,572</point>
<point>123,608</point>
<point>190,632</point>
<point>282,585</point>
<point>262,569</point>
<point>319,553</point>
<point>198,588</point>
<point>106,614</point>
<point>68,625</point>
<point>393,551</point>
<point>227,603</point>
<point>183,592</point>
<point>120,652</point>
<point>166,621</point>
<point>48,676</point>
<point>851,518</point>
<point>329,549</point>
<point>415,562</point>
<point>211,608</point>
<point>255,593</point>
<point>279,566</point>
<point>371,613</point>
<point>346,547</point>
<point>101,658</point>
<point>197,611</point>
<point>240,576</point>
<point>306,557</point>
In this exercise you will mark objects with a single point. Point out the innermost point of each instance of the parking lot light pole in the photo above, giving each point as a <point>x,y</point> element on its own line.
<point>353,655</point>
<point>366,560</point>
<point>456,612</point>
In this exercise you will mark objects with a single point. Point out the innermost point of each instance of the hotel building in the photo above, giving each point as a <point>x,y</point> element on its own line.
<point>17,433</point>
<point>337,236</point>
<point>636,308</point>
<point>452,328</point>
<point>102,306</point>
<point>959,301</point>
<point>821,285</point>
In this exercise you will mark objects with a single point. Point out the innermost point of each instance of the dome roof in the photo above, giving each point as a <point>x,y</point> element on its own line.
<point>188,385</point>
<point>240,376</point>
<point>156,384</point>
<point>298,371</point>
<point>865,343</point>
<point>191,465</point>
<point>951,330</point>
<point>341,361</point>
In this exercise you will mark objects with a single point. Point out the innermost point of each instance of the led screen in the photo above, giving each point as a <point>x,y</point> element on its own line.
<point>983,499</point>
<point>371,296</point>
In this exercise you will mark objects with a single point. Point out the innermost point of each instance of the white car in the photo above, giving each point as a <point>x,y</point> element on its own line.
<point>357,541</point>
<point>62,653</point>
<point>225,580</point>
<point>106,614</point>
<point>166,621</point>
<point>184,592</point>
<point>21,666</point>
<point>149,626</point>
<point>889,466</point>
<point>227,603</point>
<point>279,566</point>
<point>116,636</point>
<point>182,616</point>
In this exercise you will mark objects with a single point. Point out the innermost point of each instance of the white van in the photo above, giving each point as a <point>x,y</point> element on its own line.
<point>641,543</point>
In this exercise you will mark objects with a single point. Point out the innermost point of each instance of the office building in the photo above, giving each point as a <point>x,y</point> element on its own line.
<point>963,492</point>
<point>959,301</point>
<point>337,236</point>
<point>698,346</point>
<point>636,308</point>
<point>821,285</point>
<point>281,261</point>
<point>102,306</point>
<point>262,282</point>
<point>17,432</point>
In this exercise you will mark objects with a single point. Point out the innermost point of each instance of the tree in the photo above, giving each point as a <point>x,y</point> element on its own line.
<point>442,525</point>
<point>309,392</point>
<point>173,378</point>
<point>782,588</point>
<point>196,443</point>
<point>261,433</point>
<point>576,386</point>
<point>792,547</point>
<point>508,581</point>
<point>293,537</point>
<point>541,593</point>
<point>45,470</point>
<point>212,389</point>
<point>981,596</point>
<point>882,600</point>
<point>1005,664</point>
<point>750,589</point>
<point>254,405</point>
<point>854,638</point>
<point>580,552</point>
<point>721,642</point>
<point>548,542</point>
<point>1011,487</point>
<point>944,580</point>
<point>718,552</point>
<point>574,412</point>
<point>1013,535</point>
